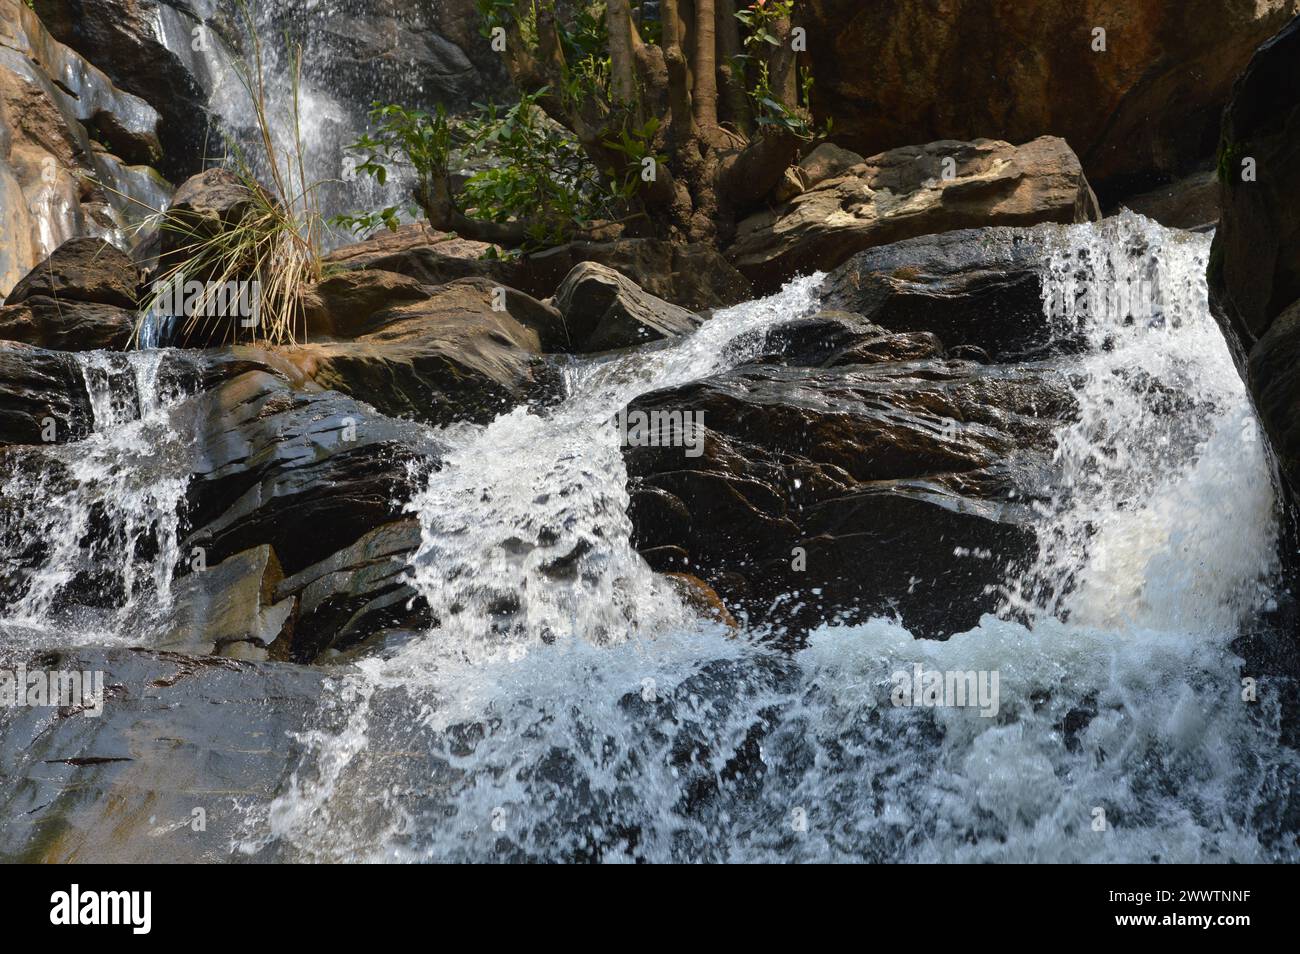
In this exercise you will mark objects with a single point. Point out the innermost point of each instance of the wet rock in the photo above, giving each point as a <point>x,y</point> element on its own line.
<point>1254,271</point>
<point>702,598</point>
<point>694,276</point>
<point>833,338</point>
<point>1146,106</point>
<point>308,473</point>
<point>418,54</point>
<point>216,607</point>
<point>449,357</point>
<point>146,48</point>
<point>43,396</point>
<point>976,287</point>
<point>191,371</point>
<point>361,591</point>
<point>82,269</point>
<point>842,493</point>
<point>915,190</point>
<point>603,311</point>
<point>57,183</point>
<point>67,325</point>
<point>177,733</point>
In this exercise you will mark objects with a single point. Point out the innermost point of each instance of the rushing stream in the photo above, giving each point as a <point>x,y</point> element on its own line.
<point>606,722</point>
<point>607,725</point>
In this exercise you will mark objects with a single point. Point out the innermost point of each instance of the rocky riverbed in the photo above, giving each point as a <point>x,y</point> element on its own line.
<point>614,550</point>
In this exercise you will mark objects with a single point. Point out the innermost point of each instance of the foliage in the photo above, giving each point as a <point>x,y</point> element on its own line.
<point>759,19</point>
<point>530,169</point>
<point>571,153</point>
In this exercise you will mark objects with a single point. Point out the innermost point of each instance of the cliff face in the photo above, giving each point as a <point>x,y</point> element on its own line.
<point>73,146</point>
<point>1254,274</point>
<point>892,72</point>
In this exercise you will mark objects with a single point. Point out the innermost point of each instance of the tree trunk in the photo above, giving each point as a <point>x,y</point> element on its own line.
<point>706,65</point>
<point>783,73</point>
<point>735,102</point>
<point>618,21</point>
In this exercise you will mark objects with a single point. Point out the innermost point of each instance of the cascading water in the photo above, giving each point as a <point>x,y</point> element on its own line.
<point>331,112</point>
<point>567,707</point>
<point>91,527</point>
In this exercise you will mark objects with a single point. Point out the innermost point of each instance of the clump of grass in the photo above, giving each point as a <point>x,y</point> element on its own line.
<point>272,242</point>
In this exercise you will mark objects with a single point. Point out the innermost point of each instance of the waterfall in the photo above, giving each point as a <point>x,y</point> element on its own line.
<point>91,527</point>
<point>1162,514</point>
<point>331,108</point>
<point>604,724</point>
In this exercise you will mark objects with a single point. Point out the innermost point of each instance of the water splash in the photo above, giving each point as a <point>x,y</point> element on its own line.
<point>1162,513</point>
<point>331,112</point>
<point>589,722</point>
<point>93,525</point>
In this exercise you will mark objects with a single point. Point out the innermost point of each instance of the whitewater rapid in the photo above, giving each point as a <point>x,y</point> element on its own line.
<point>596,718</point>
<point>604,723</point>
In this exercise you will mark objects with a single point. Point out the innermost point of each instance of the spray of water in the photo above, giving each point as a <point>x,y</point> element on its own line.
<point>567,709</point>
<point>103,512</point>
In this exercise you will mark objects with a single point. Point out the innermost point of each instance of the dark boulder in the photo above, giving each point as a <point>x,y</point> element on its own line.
<point>42,395</point>
<point>604,310</point>
<point>842,493</point>
<point>1254,270</point>
<point>833,338</point>
<point>67,325</point>
<point>360,592</point>
<point>308,473</point>
<point>980,287</point>
<point>81,269</point>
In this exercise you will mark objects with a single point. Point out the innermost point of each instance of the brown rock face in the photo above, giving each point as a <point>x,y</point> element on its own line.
<point>914,190</point>
<point>204,205</point>
<point>127,39</point>
<point>81,298</point>
<point>1254,272</point>
<point>82,269</point>
<point>67,325</point>
<point>900,71</point>
<point>447,356</point>
<point>51,103</point>
<point>692,276</point>
<point>603,310</point>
